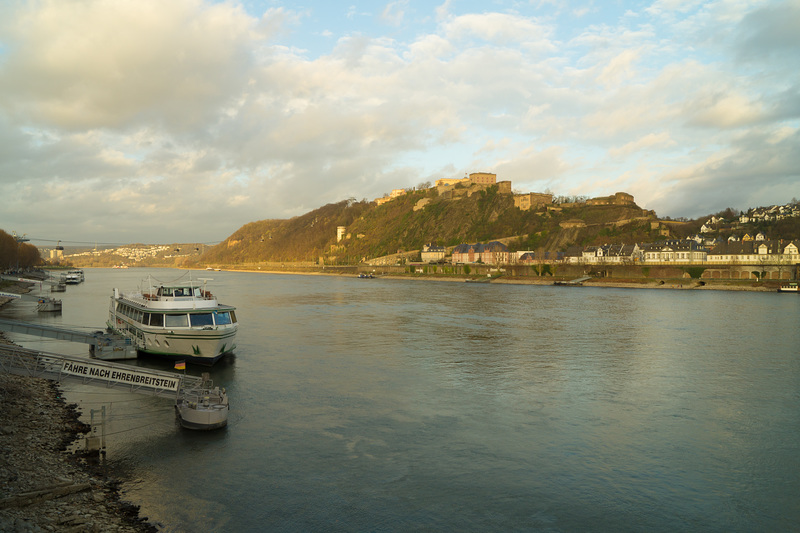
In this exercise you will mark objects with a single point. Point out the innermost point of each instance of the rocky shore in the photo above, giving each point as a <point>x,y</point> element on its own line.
<point>44,486</point>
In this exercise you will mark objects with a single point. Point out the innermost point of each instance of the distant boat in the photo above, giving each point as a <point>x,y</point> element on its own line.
<point>74,277</point>
<point>789,287</point>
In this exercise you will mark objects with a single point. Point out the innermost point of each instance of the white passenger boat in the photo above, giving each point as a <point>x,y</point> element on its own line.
<point>74,277</point>
<point>178,321</point>
<point>788,287</point>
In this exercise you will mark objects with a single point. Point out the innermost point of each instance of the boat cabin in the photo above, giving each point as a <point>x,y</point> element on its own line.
<point>179,292</point>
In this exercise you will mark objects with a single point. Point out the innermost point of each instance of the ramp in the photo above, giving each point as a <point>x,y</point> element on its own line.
<point>103,345</point>
<point>67,368</point>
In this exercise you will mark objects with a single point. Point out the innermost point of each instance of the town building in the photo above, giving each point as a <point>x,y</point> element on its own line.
<point>674,251</point>
<point>432,253</point>
<point>492,253</point>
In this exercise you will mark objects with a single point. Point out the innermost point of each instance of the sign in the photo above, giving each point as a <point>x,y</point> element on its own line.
<point>129,376</point>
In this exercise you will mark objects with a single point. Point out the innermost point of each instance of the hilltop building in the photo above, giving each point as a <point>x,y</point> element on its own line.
<point>532,200</point>
<point>483,178</point>
<point>620,198</point>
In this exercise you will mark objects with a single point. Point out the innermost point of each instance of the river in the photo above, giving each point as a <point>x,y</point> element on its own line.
<point>394,405</point>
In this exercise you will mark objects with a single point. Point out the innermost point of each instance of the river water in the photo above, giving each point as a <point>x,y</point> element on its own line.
<point>388,405</point>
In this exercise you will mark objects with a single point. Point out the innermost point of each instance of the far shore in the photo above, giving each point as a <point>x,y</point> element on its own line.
<point>676,284</point>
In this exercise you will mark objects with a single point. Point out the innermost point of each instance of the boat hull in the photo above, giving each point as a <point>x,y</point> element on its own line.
<point>202,418</point>
<point>194,346</point>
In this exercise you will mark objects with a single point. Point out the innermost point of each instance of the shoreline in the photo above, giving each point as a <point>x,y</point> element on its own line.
<point>43,485</point>
<point>599,282</point>
<point>616,283</point>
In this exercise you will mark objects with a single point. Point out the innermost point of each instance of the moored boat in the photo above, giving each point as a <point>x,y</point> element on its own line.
<point>204,408</point>
<point>45,304</point>
<point>789,287</point>
<point>74,277</point>
<point>179,320</point>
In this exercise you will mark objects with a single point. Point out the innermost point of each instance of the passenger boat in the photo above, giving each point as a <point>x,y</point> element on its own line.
<point>74,277</point>
<point>789,287</point>
<point>180,320</point>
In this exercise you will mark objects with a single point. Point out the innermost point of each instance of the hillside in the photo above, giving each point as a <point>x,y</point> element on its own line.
<point>408,222</point>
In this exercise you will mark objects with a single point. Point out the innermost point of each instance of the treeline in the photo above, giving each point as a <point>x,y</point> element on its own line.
<point>17,255</point>
<point>302,238</point>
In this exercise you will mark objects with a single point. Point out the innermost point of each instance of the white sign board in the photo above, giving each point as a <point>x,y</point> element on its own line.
<point>128,376</point>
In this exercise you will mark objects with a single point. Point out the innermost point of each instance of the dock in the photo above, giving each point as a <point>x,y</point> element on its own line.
<point>102,344</point>
<point>199,406</point>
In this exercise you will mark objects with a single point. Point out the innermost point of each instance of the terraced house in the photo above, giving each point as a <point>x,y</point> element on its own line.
<point>492,253</point>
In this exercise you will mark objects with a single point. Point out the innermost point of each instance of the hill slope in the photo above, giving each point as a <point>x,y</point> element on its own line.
<point>419,217</point>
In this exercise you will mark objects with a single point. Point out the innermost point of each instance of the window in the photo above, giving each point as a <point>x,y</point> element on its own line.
<point>176,321</point>
<point>146,319</point>
<point>201,319</point>
<point>157,319</point>
<point>222,318</point>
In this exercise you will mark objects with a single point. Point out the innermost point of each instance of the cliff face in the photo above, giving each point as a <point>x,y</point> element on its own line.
<point>414,219</point>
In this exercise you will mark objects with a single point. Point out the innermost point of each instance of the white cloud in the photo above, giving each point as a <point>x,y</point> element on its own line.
<point>183,108</point>
<point>394,12</point>
<point>649,141</point>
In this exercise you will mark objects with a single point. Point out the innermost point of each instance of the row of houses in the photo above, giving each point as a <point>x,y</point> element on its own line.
<point>684,251</point>
<point>772,213</point>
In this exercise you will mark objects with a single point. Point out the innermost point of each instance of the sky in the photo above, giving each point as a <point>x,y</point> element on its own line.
<point>143,121</point>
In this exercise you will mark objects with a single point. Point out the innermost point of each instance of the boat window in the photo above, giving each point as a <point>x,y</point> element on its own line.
<point>146,319</point>
<point>201,319</point>
<point>178,292</point>
<point>233,317</point>
<point>157,319</point>
<point>176,321</point>
<point>222,318</point>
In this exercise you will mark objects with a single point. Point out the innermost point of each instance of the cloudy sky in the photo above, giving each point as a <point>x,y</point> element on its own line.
<point>150,121</point>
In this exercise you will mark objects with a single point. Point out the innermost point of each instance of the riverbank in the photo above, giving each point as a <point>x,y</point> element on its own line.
<point>44,486</point>
<point>619,283</point>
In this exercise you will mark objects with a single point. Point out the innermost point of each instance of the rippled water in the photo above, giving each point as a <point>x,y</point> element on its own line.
<point>386,405</point>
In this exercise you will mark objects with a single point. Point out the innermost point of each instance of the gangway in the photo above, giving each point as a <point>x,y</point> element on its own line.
<point>578,282</point>
<point>43,303</point>
<point>57,285</point>
<point>199,406</point>
<point>102,345</point>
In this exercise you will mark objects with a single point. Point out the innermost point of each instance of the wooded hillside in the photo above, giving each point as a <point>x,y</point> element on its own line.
<point>408,222</point>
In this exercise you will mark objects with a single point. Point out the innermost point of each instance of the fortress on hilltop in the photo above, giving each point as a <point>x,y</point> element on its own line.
<point>454,188</point>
